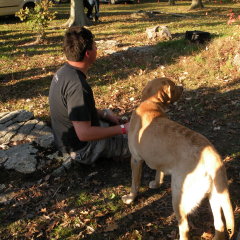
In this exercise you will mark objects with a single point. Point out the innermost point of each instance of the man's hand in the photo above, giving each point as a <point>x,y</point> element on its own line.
<point>109,116</point>
<point>126,125</point>
<point>112,117</point>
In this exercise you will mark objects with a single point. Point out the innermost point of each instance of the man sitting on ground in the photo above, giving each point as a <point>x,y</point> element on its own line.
<point>74,117</point>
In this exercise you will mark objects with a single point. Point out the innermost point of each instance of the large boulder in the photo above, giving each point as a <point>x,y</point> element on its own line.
<point>21,137</point>
<point>21,158</point>
<point>158,33</point>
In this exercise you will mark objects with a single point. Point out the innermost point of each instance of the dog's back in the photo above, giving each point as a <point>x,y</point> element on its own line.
<point>167,141</point>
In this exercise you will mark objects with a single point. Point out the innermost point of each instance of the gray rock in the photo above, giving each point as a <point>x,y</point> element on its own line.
<point>22,158</point>
<point>40,130</point>
<point>142,14</point>
<point>13,117</point>
<point>110,51</point>
<point>46,130</point>
<point>9,132</point>
<point>8,117</point>
<point>158,32</point>
<point>7,197</point>
<point>142,50</point>
<point>24,116</point>
<point>2,186</point>
<point>25,130</point>
<point>3,114</point>
<point>45,141</point>
<point>106,44</point>
<point>3,127</point>
<point>14,128</point>
<point>3,156</point>
<point>40,125</point>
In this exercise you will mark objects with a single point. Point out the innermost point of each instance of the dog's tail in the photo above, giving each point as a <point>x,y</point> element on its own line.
<point>219,196</point>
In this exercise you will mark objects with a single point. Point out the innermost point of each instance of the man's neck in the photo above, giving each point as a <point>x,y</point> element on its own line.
<point>83,67</point>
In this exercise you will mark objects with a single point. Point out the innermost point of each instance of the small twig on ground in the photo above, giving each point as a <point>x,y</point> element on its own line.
<point>56,191</point>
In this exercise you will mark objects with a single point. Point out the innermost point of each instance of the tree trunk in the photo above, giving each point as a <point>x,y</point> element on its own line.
<point>77,15</point>
<point>196,4</point>
<point>171,2</point>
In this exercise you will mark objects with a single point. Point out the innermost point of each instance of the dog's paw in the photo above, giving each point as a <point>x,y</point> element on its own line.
<point>153,184</point>
<point>127,199</point>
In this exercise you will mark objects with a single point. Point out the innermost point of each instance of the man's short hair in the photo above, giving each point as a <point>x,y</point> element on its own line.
<point>77,41</point>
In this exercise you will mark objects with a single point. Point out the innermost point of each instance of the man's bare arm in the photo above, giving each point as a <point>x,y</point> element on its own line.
<point>86,132</point>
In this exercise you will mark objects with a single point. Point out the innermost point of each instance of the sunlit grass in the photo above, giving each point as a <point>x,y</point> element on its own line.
<point>20,62</point>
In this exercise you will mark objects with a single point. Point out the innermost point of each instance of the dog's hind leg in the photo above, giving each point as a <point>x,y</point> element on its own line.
<point>216,210</point>
<point>136,166</point>
<point>179,209</point>
<point>158,180</point>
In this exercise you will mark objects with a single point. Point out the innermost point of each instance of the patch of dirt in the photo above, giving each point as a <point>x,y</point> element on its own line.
<point>86,204</point>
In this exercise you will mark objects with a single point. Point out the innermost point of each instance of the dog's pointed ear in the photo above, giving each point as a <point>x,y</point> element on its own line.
<point>164,94</point>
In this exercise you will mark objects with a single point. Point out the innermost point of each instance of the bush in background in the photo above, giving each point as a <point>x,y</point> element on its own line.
<point>39,18</point>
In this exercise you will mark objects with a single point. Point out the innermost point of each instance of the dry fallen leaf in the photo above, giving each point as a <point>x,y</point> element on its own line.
<point>111,227</point>
<point>90,229</point>
<point>100,214</point>
<point>43,210</point>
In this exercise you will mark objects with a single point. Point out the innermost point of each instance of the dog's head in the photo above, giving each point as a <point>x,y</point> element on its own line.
<point>162,90</point>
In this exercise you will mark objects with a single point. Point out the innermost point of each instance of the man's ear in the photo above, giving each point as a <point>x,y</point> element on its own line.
<point>87,53</point>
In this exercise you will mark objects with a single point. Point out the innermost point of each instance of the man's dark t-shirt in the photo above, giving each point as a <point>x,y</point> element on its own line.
<point>70,99</point>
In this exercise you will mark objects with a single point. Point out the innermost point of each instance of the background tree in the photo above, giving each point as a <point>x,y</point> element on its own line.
<point>77,15</point>
<point>196,4</point>
<point>171,2</point>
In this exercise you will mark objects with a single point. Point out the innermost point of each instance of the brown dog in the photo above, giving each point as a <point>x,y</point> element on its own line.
<point>195,166</point>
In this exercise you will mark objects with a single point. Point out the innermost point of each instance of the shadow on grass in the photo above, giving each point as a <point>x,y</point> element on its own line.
<point>26,210</point>
<point>6,35</point>
<point>25,89</point>
<point>9,20</point>
<point>25,45</point>
<point>151,215</point>
<point>124,63</point>
<point>121,64</point>
<point>215,113</point>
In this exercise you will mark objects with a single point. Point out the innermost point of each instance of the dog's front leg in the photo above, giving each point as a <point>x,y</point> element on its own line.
<point>158,180</point>
<point>136,166</point>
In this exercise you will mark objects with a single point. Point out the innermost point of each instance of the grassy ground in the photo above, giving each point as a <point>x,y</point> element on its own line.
<point>86,204</point>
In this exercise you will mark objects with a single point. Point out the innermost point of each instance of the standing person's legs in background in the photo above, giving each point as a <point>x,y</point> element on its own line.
<point>89,5</point>
<point>96,10</point>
